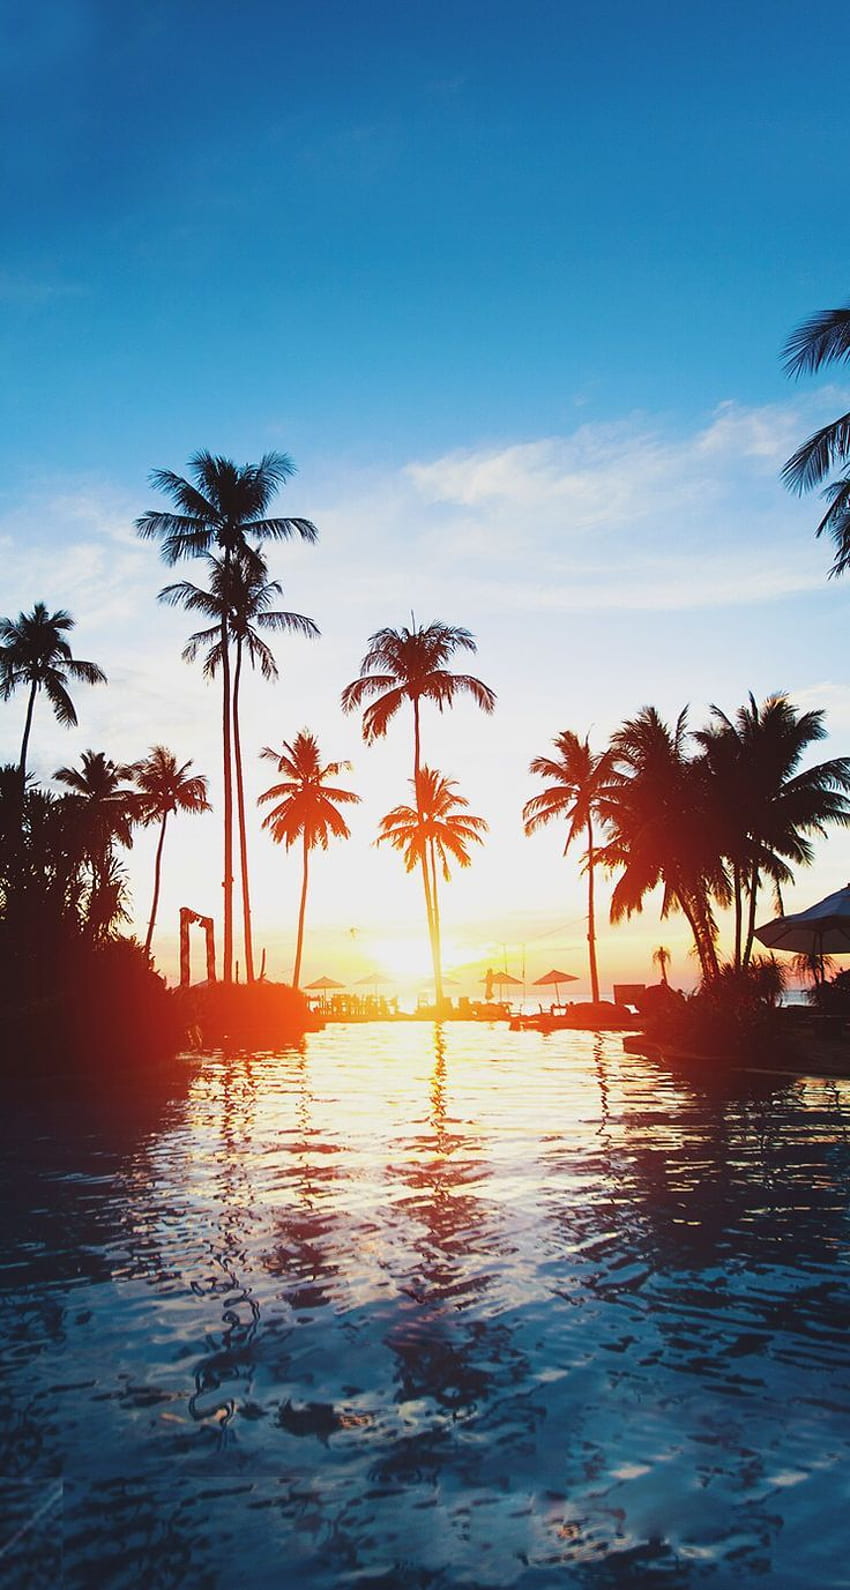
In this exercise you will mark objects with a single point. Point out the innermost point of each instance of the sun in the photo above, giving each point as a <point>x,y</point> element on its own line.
<point>405,959</point>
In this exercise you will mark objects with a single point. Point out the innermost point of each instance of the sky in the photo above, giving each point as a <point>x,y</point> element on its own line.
<point>511,289</point>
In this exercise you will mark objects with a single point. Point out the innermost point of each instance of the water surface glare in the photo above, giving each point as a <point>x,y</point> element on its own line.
<point>423,1308</point>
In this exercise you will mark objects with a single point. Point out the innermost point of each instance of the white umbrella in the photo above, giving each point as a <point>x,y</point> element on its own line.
<point>822,930</point>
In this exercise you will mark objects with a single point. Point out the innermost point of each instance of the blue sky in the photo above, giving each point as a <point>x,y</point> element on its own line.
<point>511,289</point>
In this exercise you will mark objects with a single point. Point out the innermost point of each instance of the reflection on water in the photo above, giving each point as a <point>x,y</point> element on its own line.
<point>428,1309</point>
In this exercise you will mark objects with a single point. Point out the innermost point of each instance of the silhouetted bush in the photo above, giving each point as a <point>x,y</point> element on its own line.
<point>736,1015</point>
<point>832,998</point>
<point>243,1015</point>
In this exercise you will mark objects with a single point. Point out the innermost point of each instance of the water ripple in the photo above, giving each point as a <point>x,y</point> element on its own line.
<point>406,1308</point>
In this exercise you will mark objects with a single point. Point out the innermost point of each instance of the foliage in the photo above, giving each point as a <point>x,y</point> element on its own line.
<point>306,809</point>
<point>223,509</point>
<point>578,782</point>
<point>831,998</point>
<point>823,339</point>
<point>34,652</point>
<point>733,1015</point>
<point>259,1015</point>
<point>410,665</point>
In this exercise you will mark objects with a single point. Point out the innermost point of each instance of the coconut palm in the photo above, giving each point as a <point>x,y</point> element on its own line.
<point>661,959</point>
<point>410,665</point>
<point>823,339</point>
<point>107,809</point>
<point>306,809</point>
<point>165,788</point>
<point>765,807</point>
<point>661,829</point>
<point>223,508</point>
<point>34,652</point>
<point>437,828</point>
<point>577,782</point>
<point>238,600</point>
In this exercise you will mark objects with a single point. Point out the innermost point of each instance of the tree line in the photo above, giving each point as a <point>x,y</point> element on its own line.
<point>710,815</point>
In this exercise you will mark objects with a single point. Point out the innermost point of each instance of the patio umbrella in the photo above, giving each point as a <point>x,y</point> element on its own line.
<point>502,979</point>
<point>324,983</point>
<point>554,979</point>
<point>373,980</point>
<point>822,930</point>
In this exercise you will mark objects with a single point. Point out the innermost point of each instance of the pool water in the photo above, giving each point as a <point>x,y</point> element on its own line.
<point>418,1307</point>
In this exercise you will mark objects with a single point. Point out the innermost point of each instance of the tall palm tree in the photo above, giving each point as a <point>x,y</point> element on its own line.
<point>823,339</point>
<point>238,601</point>
<point>107,808</point>
<point>34,652</point>
<point>223,508</point>
<point>437,828</point>
<point>410,665</point>
<point>765,806</point>
<point>165,788</point>
<point>661,830</point>
<point>306,809</point>
<point>578,780</point>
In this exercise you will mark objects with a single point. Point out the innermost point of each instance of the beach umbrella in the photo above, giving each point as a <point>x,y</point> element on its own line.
<point>824,929</point>
<point>501,979</point>
<point>554,979</point>
<point>324,983</point>
<point>373,980</point>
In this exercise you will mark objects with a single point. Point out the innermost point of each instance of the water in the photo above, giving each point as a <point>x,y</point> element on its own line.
<point>410,1310</point>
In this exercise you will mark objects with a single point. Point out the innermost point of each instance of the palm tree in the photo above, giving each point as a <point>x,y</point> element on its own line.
<point>107,809</point>
<point>578,781</point>
<point>306,809</point>
<point>821,340</point>
<point>436,828</point>
<point>223,508</point>
<point>165,788</point>
<point>661,829</point>
<point>410,665</point>
<point>661,959</point>
<point>34,652</point>
<point>766,808</point>
<point>238,599</point>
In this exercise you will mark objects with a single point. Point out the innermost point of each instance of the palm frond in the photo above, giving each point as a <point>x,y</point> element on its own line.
<point>819,340</point>
<point>814,459</point>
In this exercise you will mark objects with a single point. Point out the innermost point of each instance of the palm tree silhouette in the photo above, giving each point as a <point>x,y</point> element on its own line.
<point>661,830</point>
<point>238,601</point>
<point>165,788</point>
<point>578,781</point>
<point>306,809</point>
<point>823,339</point>
<point>437,828</point>
<point>34,652</point>
<point>107,809</point>
<point>223,508</point>
<point>765,808</point>
<point>404,665</point>
<point>661,959</point>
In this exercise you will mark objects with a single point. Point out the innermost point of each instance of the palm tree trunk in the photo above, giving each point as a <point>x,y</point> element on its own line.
<point>157,872</point>
<point>591,921</point>
<point>227,881</point>
<point>436,949</point>
<point>26,738</point>
<point>243,837</point>
<point>695,916</point>
<point>296,972</point>
<point>739,913</point>
<point>751,916</point>
<point>426,882</point>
